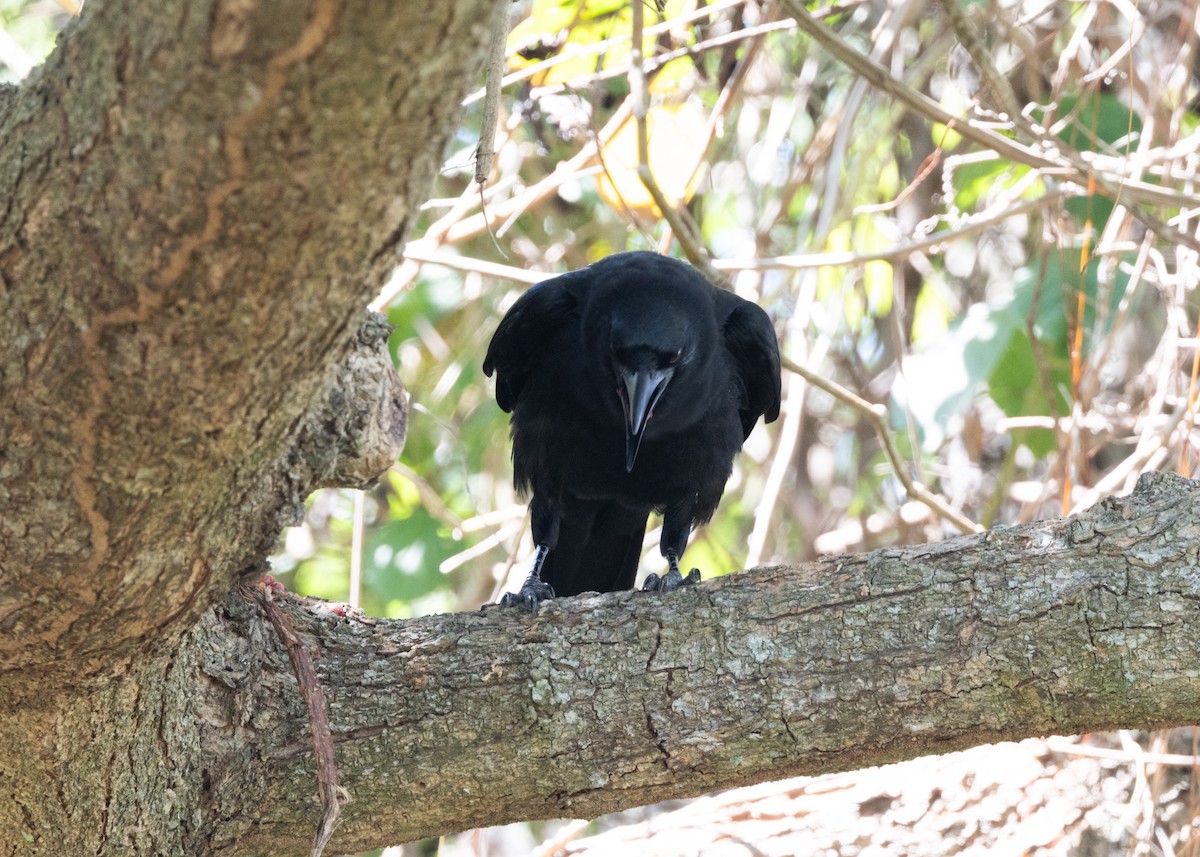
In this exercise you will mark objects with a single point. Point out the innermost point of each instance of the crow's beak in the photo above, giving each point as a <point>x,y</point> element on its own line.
<point>643,389</point>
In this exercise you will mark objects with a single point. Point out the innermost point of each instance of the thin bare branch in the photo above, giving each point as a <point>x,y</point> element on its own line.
<point>485,152</point>
<point>684,229</point>
<point>1050,155</point>
<point>877,416</point>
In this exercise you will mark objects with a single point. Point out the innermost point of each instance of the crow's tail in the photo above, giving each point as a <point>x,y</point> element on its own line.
<point>599,544</point>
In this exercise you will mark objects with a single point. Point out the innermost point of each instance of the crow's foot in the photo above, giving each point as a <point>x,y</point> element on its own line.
<point>533,593</point>
<point>671,580</point>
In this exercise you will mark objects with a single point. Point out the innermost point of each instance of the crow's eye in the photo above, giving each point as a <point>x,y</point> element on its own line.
<point>675,356</point>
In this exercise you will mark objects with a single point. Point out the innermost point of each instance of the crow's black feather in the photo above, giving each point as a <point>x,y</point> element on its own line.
<point>632,384</point>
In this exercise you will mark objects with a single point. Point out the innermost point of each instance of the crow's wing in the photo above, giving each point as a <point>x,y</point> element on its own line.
<point>523,332</point>
<point>750,340</point>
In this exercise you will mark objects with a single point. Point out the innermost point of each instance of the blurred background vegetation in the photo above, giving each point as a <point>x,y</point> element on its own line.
<point>980,218</point>
<point>1028,335</point>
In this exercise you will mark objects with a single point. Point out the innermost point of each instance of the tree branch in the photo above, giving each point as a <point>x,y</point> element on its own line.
<point>607,702</point>
<point>1052,157</point>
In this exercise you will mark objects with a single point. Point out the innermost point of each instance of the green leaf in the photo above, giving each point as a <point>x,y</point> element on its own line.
<point>401,558</point>
<point>974,180</point>
<point>1057,295</point>
<point>1096,124</point>
<point>1100,118</point>
<point>1017,387</point>
<point>943,378</point>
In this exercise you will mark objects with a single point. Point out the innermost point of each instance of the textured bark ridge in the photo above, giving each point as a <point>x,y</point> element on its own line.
<point>600,703</point>
<point>360,431</point>
<point>199,200</point>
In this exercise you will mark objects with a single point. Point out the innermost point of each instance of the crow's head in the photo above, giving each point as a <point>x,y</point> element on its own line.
<point>649,336</point>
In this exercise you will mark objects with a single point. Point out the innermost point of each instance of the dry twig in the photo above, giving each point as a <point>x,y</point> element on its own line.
<point>333,796</point>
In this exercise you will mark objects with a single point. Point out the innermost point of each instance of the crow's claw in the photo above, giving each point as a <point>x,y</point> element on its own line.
<point>533,593</point>
<point>671,580</point>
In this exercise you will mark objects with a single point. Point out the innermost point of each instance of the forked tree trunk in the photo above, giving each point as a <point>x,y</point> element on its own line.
<point>198,200</point>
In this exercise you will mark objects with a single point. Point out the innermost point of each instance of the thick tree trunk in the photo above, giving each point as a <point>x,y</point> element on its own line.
<point>199,198</point>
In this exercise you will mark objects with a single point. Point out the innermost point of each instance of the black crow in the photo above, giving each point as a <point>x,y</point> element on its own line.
<point>632,384</point>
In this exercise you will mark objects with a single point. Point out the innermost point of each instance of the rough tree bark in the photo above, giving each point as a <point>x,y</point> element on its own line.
<point>606,702</point>
<point>198,198</point>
